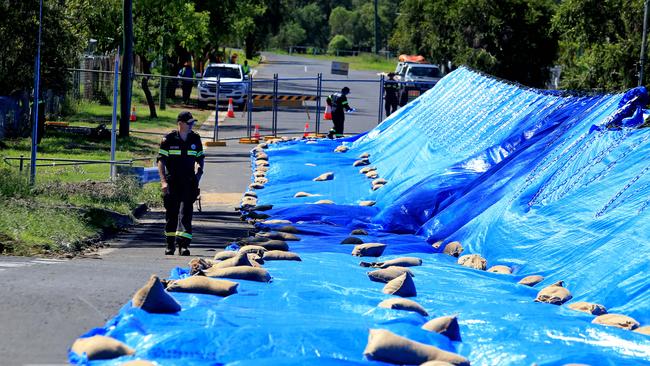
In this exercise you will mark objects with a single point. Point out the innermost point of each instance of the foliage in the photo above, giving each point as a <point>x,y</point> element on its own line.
<point>599,43</point>
<point>290,34</point>
<point>496,37</point>
<point>339,42</point>
<point>63,39</point>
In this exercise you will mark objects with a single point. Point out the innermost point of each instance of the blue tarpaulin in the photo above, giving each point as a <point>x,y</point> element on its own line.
<point>544,182</point>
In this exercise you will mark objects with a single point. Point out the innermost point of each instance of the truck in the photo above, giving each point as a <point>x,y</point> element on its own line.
<point>233,84</point>
<point>416,77</point>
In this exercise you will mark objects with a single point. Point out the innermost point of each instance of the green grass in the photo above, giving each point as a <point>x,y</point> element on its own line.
<point>363,62</point>
<point>91,114</point>
<point>58,216</point>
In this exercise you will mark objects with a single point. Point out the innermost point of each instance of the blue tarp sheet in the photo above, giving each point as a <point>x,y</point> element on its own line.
<point>544,182</point>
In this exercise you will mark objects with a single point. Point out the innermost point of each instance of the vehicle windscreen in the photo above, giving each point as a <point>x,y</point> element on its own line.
<point>425,72</point>
<point>224,72</point>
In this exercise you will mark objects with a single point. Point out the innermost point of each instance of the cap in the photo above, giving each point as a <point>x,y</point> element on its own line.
<point>186,117</point>
<point>391,74</point>
<point>345,90</point>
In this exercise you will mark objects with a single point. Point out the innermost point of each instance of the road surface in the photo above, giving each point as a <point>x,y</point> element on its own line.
<point>47,303</point>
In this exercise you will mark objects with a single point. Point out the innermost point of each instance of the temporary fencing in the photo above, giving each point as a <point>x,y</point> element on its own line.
<point>540,182</point>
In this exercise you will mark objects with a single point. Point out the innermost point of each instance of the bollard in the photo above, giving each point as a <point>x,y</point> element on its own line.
<point>162,97</point>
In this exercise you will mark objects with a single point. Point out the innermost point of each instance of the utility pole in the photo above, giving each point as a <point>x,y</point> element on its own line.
<point>643,42</point>
<point>376,28</point>
<point>127,67</point>
<point>37,91</point>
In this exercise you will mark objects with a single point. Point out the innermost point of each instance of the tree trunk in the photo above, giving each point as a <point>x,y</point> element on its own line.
<point>127,68</point>
<point>145,88</point>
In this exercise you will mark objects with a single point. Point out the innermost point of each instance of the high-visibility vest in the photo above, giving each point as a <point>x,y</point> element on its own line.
<point>246,69</point>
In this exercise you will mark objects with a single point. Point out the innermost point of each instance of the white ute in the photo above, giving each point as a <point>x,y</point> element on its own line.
<point>233,85</point>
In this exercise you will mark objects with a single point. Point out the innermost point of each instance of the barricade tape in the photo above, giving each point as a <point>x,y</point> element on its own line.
<point>284,97</point>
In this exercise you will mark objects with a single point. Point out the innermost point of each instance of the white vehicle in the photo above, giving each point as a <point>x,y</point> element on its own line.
<point>417,78</point>
<point>233,85</point>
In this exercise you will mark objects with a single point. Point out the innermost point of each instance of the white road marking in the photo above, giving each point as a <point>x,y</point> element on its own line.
<point>29,263</point>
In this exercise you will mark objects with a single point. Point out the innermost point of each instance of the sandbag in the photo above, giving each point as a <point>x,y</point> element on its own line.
<point>445,325</point>
<point>453,249</point>
<point>403,304</point>
<point>531,280</point>
<point>402,286</point>
<point>100,347</point>
<point>352,240</point>
<point>388,274</point>
<point>473,261</point>
<point>226,254</point>
<point>554,294</point>
<point>203,285</point>
<point>617,320</point>
<point>325,176</point>
<point>369,250</point>
<point>588,307</point>
<point>386,346</point>
<point>240,273</point>
<point>279,255</point>
<point>153,298</point>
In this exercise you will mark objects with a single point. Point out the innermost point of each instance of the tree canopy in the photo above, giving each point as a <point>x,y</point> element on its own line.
<point>595,43</point>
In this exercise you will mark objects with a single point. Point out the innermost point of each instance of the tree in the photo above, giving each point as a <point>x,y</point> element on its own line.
<point>161,28</point>
<point>290,34</point>
<point>339,42</point>
<point>62,41</point>
<point>495,37</point>
<point>599,43</point>
<point>343,22</point>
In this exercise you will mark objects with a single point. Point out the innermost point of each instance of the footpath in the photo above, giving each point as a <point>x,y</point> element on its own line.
<point>47,304</point>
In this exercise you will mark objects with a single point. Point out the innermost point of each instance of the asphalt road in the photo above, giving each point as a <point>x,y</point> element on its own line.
<point>45,304</point>
<point>364,97</point>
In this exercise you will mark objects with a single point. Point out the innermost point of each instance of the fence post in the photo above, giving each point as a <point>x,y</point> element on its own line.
<point>162,98</point>
<point>249,121</point>
<point>215,134</point>
<point>114,118</point>
<point>381,95</point>
<point>275,106</point>
<point>21,164</point>
<point>319,85</point>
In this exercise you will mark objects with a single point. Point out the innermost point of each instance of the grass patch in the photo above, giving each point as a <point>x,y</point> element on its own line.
<point>362,62</point>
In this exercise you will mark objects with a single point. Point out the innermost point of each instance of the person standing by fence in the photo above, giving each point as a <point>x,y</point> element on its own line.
<point>180,166</point>
<point>339,104</point>
<point>187,72</point>
<point>391,94</point>
<point>245,68</point>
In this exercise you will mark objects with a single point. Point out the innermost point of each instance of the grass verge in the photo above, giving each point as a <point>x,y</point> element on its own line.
<point>363,62</point>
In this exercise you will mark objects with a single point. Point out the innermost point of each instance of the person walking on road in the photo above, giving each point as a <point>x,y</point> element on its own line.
<point>187,72</point>
<point>180,166</point>
<point>245,68</point>
<point>391,94</point>
<point>339,104</point>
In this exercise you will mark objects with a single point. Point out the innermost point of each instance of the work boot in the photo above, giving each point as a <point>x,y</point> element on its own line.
<point>183,251</point>
<point>171,248</point>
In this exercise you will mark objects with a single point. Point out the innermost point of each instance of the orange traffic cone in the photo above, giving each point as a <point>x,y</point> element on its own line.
<point>132,118</point>
<point>231,112</point>
<point>256,133</point>
<point>305,133</point>
<point>328,113</point>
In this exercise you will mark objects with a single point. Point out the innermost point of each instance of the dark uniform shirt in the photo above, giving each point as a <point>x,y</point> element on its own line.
<point>339,103</point>
<point>391,90</point>
<point>180,156</point>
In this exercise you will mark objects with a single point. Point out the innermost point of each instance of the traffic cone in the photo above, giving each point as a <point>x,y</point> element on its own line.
<point>231,111</point>
<point>132,118</point>
<point>328,113</point>
<point>256,133</point>
<point>305,133</point>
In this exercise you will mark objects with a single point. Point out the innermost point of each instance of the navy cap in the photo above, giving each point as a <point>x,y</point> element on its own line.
<point>186,117</point>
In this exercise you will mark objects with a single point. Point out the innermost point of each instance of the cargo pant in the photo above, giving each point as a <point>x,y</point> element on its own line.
<point>179,205</point>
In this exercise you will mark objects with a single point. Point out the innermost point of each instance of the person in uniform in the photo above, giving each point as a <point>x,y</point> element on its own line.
<point>180,166</point>
<point>339,104</point>
<point>391,94</point>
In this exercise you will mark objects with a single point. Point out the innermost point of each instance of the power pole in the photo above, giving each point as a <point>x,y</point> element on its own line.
<point>376,28</point>
<point>37,91</point>
<point>643,42</point>
<point>127,67</point>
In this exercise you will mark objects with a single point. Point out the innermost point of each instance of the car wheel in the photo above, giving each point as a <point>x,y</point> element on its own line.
<point>203,105</point>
